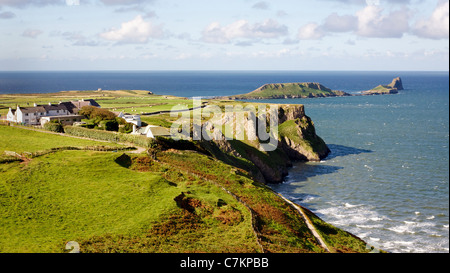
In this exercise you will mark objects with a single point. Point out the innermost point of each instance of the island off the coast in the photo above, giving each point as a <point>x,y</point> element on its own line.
<point>311,90</point>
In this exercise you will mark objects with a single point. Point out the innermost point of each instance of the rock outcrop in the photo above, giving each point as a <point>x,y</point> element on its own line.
<point>391,88</point>
<point>396,83</point>
<point>297,141</point>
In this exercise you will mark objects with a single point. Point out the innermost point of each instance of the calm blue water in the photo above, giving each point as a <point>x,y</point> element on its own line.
<point>387,178</point>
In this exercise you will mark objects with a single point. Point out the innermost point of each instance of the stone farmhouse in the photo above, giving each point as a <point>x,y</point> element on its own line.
<point>65,112</point>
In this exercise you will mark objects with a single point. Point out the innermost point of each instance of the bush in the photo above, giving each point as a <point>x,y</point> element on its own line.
<point>126,128</point>
<point>92,112</point>
<point>54,127</point>
<point>109,125</point>
<point>141,141</point>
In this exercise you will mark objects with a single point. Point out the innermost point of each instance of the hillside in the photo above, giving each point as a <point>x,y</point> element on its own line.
<point>290,90</point>
<point>179,196</point>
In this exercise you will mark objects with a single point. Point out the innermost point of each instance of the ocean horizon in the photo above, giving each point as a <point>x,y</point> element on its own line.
<point>387,177</point>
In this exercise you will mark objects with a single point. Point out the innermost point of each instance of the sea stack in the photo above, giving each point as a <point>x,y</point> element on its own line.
<point>396,83</point>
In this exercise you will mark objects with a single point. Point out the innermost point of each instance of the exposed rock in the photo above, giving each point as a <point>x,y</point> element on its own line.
<point>297,141</point>
<point>396,83</point>
<point>391,88</point>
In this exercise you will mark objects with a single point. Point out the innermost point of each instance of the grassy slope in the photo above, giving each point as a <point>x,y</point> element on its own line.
<point>92,199</point>
<point>21,140</point>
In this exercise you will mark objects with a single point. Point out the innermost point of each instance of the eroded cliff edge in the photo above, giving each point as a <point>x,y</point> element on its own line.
<point>296,141</point>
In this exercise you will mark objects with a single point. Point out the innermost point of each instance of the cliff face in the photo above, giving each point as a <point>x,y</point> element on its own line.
<point>297,140</point>
<point>396,83</point>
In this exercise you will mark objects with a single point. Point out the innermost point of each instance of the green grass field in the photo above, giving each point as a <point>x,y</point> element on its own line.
<point>22,140</point>
<point>128,101</point>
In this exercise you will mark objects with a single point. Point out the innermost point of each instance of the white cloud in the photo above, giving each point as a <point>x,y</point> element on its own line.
<point>311,31</point>
<point>77,38</point>
<point>123,2</point>
<point>31,33</point>
<point>372,23</point>
<point>7,15</point>
<point>215,33</point>
<point>23,3</point>
<point>437,26</point>
<point>261,5</point>
<point>371,2</point>
<point>337,23</point>
<point>136,31</point>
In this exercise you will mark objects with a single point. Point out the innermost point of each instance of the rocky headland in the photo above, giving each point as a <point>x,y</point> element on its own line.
<point>296,141</point>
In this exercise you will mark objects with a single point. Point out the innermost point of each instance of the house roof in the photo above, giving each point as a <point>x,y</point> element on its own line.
<point>159,131</point>
<point>156,130</point>
<point>71,106</point>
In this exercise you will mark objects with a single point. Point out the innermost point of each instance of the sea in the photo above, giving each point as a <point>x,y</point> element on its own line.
<point>386,179</point>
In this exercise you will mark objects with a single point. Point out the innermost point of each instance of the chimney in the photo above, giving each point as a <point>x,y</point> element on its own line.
<point>134,128</point>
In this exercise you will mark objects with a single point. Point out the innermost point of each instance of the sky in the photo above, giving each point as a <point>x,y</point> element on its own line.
<point>369,35</point>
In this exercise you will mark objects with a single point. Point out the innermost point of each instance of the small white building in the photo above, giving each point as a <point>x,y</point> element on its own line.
<point>135,119</point>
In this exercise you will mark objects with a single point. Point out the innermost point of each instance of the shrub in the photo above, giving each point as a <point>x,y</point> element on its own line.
<point>109,125</point>
<point>126,128</point>
<point>87,111</point>
<point>93,112</point>
<point>54,127</point>
<point>138,140</point>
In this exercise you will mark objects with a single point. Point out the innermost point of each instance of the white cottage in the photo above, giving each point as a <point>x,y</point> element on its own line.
<point>33,115</point>
<point>135,119</point>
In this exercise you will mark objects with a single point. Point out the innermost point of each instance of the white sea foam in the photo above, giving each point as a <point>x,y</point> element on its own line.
<point>369,226</point>
<point>347,205</point>
<point>402,229</point>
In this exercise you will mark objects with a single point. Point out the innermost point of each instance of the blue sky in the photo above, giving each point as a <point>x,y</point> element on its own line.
<point>224,35</point>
